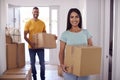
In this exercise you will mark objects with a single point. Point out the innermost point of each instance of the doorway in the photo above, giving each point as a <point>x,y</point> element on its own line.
<point>50,16</point>
<point>22,14</point>
<point>25,15</point>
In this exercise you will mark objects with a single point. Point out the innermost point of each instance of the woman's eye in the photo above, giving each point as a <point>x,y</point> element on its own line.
<point>74,17</point>
<point>71,17</point>
<point>77,16</point>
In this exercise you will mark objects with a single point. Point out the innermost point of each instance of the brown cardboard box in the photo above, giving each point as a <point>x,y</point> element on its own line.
<point>8,39</point>
<point>20,71</point>
<point>11,50</point>
<point>17,71</point>
<point>13,77</point>
<point>15,55</point>
<point>83,60</point>
<point>26,71</point>
<point>44,40</point>
<point>20,54</point>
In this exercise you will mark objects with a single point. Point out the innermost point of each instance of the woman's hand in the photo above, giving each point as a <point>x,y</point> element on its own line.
<point>64,68</point>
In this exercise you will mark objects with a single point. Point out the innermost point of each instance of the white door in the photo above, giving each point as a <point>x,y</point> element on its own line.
<point>54,12</point>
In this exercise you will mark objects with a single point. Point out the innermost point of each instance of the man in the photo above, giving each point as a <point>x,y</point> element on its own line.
<point>34,26</point>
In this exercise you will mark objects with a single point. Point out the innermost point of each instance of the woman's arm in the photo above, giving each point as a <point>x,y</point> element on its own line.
<point>61,55</point>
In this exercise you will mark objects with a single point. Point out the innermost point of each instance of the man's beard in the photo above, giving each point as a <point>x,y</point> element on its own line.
<point>35,16</point>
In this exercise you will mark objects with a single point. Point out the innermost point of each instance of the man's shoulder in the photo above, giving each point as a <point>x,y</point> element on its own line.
<point>28,21</point>
<point>40,20</point>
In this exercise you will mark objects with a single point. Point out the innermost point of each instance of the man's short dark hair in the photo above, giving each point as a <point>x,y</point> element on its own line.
<point>35,8</point>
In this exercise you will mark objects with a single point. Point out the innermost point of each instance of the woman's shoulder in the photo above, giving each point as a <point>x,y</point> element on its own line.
<point>85,30</point>
<point>65,33</point>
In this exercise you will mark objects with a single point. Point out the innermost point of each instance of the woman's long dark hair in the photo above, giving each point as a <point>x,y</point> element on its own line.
<point>68,18</point>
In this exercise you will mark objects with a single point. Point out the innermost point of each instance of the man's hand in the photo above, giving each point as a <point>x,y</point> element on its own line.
<point>32,45</point>
<point>55,37</point>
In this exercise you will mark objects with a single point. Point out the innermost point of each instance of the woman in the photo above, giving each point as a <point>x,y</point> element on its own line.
<point>74,35</point>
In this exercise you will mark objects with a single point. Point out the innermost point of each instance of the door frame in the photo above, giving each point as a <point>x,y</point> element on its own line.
<point>116,41</point>
<point>105,35</point>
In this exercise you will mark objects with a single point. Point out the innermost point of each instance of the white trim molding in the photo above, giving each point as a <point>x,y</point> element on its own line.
<point>116,41</point>
<point>105,36</point>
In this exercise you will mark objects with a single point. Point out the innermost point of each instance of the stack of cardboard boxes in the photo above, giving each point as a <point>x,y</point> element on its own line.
<point>16,68</point>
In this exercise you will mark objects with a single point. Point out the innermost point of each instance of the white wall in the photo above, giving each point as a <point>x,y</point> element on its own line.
<point>92,24</point>
<point>2,37</point>
<point>93,19</point>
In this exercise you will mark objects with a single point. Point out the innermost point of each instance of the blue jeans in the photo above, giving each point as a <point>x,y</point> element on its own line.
<point>40,53</point>
<point>68,76</point>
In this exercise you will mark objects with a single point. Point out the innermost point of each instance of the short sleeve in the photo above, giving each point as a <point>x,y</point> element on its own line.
<point>63,37</point>
<point>26,28</point>
<point>44,29</point>
<point>87,33</point>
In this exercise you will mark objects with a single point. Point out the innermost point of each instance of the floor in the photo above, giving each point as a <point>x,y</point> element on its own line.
<point>50,74</point>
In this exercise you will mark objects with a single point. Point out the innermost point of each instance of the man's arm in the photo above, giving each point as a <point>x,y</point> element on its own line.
<point>28,41</point>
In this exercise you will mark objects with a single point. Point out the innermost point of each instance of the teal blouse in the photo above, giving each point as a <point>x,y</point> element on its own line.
<point>75,38</point>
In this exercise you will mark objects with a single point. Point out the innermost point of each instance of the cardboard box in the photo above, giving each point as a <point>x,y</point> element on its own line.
<point>83,60</point>
<point>24,71</point>
<point>17,71</point>
<point>15,55</point>
<point>26,67</point>
<point>20,71</point>
<point>13,77</point>
<point>44,40</point>
<point>8,39</point>
<point>11,56</point>
<point>20,55</point>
